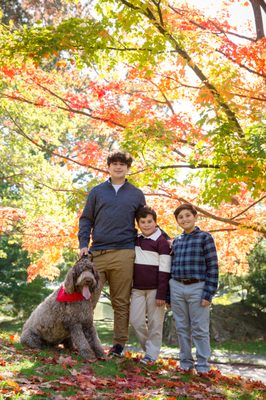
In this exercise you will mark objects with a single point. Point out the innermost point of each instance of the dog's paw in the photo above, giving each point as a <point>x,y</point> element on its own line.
<point>87,355</point>
<point>100,354</point>
<point>91,360</point>
<point>102,357</point>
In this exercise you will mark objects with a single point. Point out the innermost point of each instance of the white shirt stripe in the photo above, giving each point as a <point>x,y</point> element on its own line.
<point>152,258</point>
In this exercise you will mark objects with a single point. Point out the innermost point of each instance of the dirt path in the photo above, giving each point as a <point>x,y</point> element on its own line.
<point>248,366</point>
<point>247,371</point>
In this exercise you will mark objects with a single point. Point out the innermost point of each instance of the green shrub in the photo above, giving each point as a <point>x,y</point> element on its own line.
<point>17,297</point>
<point>255,281</point>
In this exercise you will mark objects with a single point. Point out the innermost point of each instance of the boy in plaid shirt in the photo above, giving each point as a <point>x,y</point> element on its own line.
<point>194,281</point>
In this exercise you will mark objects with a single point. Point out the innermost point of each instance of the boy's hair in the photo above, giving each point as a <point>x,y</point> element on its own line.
<point>120,156</point>
<point>144,211</point>
<point>186,206</point>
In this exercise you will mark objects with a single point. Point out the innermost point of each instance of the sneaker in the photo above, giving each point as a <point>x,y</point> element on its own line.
<point>116,350</point>
<point>147,360</point>
<point>204,374</point>
<point>189,371</point>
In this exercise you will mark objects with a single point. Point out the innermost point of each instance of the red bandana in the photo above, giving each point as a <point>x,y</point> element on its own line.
<point>69,297</point>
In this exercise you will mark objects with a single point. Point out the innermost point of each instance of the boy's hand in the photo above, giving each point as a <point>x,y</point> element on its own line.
<point>205,303</point>
<point>160,303</point>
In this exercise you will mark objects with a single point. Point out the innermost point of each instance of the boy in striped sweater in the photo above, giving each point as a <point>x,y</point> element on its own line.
<point>150,284</point>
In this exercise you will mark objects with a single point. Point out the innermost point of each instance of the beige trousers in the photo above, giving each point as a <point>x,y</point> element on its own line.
<point>147,320</point>
<point>116,268</point>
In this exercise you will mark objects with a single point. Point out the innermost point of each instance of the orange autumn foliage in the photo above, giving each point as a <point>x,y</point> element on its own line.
<point>192,101</point>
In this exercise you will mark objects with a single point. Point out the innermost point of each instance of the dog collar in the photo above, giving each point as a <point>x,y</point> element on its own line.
<point>69,297</point>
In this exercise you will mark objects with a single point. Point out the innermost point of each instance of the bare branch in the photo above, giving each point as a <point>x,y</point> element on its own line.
<point>252,205</point>
<point>210,215</point>
<point>198,166</point>
<point>222,230</point>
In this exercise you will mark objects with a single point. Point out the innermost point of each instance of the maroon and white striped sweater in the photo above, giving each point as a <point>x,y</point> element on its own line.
<point>152,264</point>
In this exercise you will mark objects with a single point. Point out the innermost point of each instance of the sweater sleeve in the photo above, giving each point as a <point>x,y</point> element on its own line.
<point>164,268</point>
<point>212,274</point>
<point>86,221</point>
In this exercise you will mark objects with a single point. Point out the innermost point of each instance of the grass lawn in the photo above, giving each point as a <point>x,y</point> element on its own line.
<point>104,329</point>
<point>257,347</point>
<point>251,347</point>
<point>57,374</point>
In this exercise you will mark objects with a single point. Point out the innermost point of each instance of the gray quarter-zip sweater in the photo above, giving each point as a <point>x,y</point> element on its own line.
<point>109,217</point>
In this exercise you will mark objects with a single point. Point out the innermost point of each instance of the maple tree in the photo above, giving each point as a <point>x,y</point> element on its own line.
<point>30,11</point>
<point>180,90</point>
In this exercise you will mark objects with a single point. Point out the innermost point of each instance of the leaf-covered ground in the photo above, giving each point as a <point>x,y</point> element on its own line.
<point>31,374</point>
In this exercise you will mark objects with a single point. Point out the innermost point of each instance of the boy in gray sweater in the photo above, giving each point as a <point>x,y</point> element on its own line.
<point>109,219</point>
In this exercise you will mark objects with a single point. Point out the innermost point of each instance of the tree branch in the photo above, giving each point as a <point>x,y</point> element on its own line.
<point>222,230</point>
<point>168,102</point>
<point>198,25</point>
<point>210,215</point>
<point>43,148</point>
<point>242,65</point>
<point>184,85</point>
<point>256,6</point>
<point>217,96</point>
<point>252,205</point>
<point>189,166</point>
<point>68,109</point>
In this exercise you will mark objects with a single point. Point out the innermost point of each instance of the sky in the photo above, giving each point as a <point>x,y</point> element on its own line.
<point>239,15</point>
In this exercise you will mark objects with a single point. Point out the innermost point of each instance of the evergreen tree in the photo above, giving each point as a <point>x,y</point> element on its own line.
<point>17,297</point>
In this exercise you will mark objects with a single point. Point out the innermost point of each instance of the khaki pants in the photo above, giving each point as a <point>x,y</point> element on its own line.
<point>116,268</point>
<point>149,333</point>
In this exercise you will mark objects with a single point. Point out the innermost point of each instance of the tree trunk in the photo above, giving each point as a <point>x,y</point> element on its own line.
<point>256,5</point>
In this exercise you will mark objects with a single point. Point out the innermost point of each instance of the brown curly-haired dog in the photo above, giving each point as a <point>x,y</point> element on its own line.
<point>66,316</point>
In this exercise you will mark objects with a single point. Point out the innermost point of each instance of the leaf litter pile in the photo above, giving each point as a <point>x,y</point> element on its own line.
<point>34,374</point>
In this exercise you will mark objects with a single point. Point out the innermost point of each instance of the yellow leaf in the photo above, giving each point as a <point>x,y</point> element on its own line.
<point>13,384</point>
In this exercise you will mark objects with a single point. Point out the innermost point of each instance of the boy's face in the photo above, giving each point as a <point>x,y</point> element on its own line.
<point>118,170</point>
<point>147,225</point>
<point>186,220</point>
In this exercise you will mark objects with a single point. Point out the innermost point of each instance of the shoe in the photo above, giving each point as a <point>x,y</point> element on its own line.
<point>204,374</point>
<point>116,350</point>
<point>147,360</point>
<point>189,371</point>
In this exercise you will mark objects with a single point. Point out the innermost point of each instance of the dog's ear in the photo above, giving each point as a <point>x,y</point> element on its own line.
<point>69,282</point>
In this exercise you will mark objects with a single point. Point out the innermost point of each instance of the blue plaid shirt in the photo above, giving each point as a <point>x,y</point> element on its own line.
<point>195,257</point>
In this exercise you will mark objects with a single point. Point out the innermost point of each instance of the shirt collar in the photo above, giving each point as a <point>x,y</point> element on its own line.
<point>154,236</point>
<point>110,181</point>
<point>195,230</point>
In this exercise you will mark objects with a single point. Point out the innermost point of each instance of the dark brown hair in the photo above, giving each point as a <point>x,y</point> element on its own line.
<point>120,156</point>
<point>186,206</point>
<point>144,211</point>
